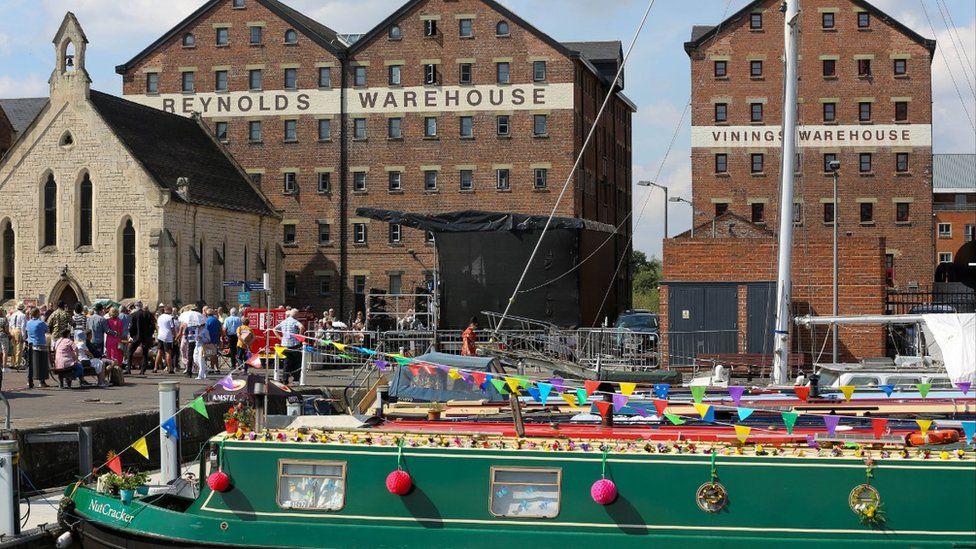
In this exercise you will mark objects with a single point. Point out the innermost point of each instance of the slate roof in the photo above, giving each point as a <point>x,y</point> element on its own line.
<point>170,146</point>
<point>954,173</point>
<point>697,31</point>
<point>21,112</point>
<point>610,50</point>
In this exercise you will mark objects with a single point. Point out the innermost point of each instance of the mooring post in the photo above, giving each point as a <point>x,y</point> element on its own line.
<point>84,451</point>
<point>169,447</point>
<point>9,489</point>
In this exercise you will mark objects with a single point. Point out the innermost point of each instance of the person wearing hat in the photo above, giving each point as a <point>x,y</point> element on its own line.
<point>18,321</point>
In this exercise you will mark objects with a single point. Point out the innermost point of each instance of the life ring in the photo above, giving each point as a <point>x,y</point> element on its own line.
<point>933,437</point>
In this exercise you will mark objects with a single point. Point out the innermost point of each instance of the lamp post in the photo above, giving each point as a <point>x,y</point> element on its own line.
<point>665,189</point>
<point>834,167</point>
<point>694,212</point>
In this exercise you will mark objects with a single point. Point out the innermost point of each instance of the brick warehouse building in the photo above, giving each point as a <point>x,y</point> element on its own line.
<point>864,99</point>
<point>446,105</point>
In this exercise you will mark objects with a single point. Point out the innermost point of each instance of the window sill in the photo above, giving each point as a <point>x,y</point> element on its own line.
<point>431,191</point>
<point>721,77</point>
<point>255,90</point>
<point>360,139</point>
<point>901,122</point>
<point>256,44</point>
<point>467,138</point>
<point>324,193</point>
<point>222,45</point>
<point>329,140</point>
<point>360,245</point>
<point>722,174</point>
<point>188,92</point>
<point>941,237</point>
<point>503,36</point>
<point>466,191</point>
<point>152,94</point>
<point>903,223</point>
<point>541,190</point>
<point>189,47</point>
<point>503,136</point>
<point>223,141</point>
<point>394,39</point>
<point>830,122</point>
<point>289,141</point>
<point>540,82</point>
<point>290,43</point>
<point>864,77</point>
<point>432,138</point>
<point>759,223</point>
<point>830,77</point>
<point>757,123</point>
<point>255,142</point>
<point>866,223</point>
<point>758,174</point>
<point>394,139</point>
<point>289,193</point>
<point>757,30</point>
<point>504,190</point>
<point>828,29</point>
<point>465,37</point>
<point>903,174</point>
<point>222,91</point>
<point>721,122</point>
<point>395,191</point>
<point>902,77</point>
<point>828,223</point>
<point>87,248</point>
<point>756,78</point>
<point>864,29</point>
<point>360,193</point>
<point>325,88</point>
<point>866,122</point>
<point>543,136</point>
<point>865,174</point>
<point>289,244</point>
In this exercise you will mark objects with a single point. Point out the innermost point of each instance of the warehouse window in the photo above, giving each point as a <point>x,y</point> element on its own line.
<point>220,131</point>
<point>827,20</point>
<point>325,129</point>
<point>430,73</point>
<point>430,180</point>
<point>829,68</point>
<point>901,162</point>
<point>864,162</point>
<point>291,284</point>
<point>721,69</point>
<point>756,112</point>
<point>945,257</point>
<point>394,128</point>
<point>395,181</point>
<point>359,182</point>
<point>394,75</point>
<point>721,112</point>
<point>541,178</point>
<point>291,79</point>
<point>395,33</point>
<point>467,126</point>
<point>757,162</point>
<point>863,20</point>
<point>359,234</point>
<point>255,79</point>
<point>830,112</point>
<point>325,284</point>
<point>540,125</point>
<point>289,234</point>
<point>290,183</point>
<point>186,81</point>
<point>359,78</point>
<point>257,35</point>
<point>864,67</point>
<point>828,158</point>
<point>901,111</point>
<point>945,230</point>
<point>430,28</point>
<point>465,28</point>
<point>466,180</point>
<point>223,36</point>
<point>254,131</point>
<point>755,69</point>
<point>359,128</point>
<point>901,67</point>
<point>502,181</point>
<point>396,233</point>
<point>503,72</point>
<point>430,126</point>
<point>501,29</point>
<point>864,111</point>
<point>755,21</point>
<point>189,41</point>
<point>721,208</point>
<point>152,82</point>
<point>828,213</point>
<point>325,77</point>
<point>539,71</point>
<point>502,126</point>
<point>902,210</point>
<point>220,81</point>
<point>867,212</point>
<point>464,73</point>
<point>291,37</point>
<point>758,212</point>
<point>325,183</point>
<point>721,163</point>
<point>291,131</point>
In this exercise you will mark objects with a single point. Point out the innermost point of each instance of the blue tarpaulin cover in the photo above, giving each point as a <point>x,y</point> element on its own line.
<point>436,386</point>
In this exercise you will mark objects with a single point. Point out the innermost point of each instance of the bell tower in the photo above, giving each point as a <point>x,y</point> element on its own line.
<point>69,80</point>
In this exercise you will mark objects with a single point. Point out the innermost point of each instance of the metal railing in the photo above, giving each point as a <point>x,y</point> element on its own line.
<point>952,207</point>
<point>902,302</point>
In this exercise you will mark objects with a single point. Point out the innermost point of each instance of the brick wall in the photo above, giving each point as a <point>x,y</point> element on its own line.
<point>909,242</point>
<point>861,286</point>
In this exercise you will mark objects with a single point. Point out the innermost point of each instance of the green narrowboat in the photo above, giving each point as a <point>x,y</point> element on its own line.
<point>316,488</point>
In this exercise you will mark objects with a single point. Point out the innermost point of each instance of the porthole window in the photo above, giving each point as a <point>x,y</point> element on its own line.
<point>66,140</point>
<point>312,485</point>
<point>501,29</point>
<point>291,37</point>
<point>395,33</point>
<point>189,40</point>
<point>525,492</point>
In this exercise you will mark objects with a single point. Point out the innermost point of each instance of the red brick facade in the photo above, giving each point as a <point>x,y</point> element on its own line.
<point>333,272</point>
<point>861,288</point>
<point>735,67</point>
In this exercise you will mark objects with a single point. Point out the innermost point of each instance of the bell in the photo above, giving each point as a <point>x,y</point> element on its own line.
<point>71,61</point>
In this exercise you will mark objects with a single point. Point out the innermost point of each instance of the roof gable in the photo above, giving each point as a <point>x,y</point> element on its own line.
<point>701,34</point>
<point>317,32</point>
<point>170,146</point>
<point>21,112</point>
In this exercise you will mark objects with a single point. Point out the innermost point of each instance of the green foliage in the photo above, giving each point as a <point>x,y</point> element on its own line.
<point>647,277</point>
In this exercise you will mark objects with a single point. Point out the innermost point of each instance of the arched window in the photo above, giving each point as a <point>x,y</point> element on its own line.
<point>291,37</point>
<point>50,236</point>
<point>69,57</point>
<point>85,212</point>
<point>128,260</point>
<point>501,29</point>
<point>7,258</point>
<point>200,266</point>
<point>395,32</point>
<point>245,262</point>
<point>189,40</point>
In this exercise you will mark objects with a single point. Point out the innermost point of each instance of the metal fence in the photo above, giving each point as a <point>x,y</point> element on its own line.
<point>903,302</point>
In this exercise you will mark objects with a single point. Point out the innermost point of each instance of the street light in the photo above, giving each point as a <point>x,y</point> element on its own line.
<point>665,189</point>
<point>694,212</point>
<point>834,167</point>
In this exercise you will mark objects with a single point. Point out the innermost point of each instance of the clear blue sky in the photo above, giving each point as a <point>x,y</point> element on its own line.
<point>657,76</point>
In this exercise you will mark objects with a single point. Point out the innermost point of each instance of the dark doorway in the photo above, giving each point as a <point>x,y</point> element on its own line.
<point>761,304</point>
<point>128,261</point>
<point>9,257</point>
<point>69,296</point>
<point>702,319</point>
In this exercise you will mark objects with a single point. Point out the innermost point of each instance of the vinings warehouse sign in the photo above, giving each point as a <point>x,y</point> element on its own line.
<point>894,135</point>
<point>365,101</point>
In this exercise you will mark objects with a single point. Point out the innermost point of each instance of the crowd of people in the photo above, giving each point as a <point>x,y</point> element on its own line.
<point>109,342</point>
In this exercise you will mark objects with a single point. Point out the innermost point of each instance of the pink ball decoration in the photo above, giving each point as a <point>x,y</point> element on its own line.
<point>219,481</point>
<point>603,491</point>
<point>399,482</point>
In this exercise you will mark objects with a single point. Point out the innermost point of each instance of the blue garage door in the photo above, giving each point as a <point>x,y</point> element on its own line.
<point>702,319</point>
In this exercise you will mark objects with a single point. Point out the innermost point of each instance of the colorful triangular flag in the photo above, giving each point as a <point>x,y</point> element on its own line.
<point>499,386</point>
<point>888,389</point>
<point>674,419</point>
<point>789,419</point>
<point>969,428</point>
<point>627,388</point>
<point>831,423</point>
<point>660,406</point>
<point>590,387</point>
<point>382,365</point>
<point>227,382</point>
<point>255,361</point>
<point>619,401</point>
<point>744,413</point>
<point>742,432</point>
<point>848,391</point>
<point>736,393</point>
<point>661,390</point>
<point>339,346</point>
<point>581,396</point>
<point>401,360</point>
<point>414,370</point>
<point>513,384</point>
<point>453,374</point>
<point>279,351</point>
<point>200,406</point>
<point>141,447</point>
<point>115,464</point>
<point>544,390</point>
<point>802,391</point>
<point>479,378</point>
<point>558,384</point>
<point>603,406</point>
<point>570,399</point>
<point>534,393</point>
<point>641,411</point>
<point>702,409</point>
<point>923,389</point>
<point>923,425</point>
<point>170,428</point>
<point>964,386</point>
<point>698,392</point>
<point>879,426</point>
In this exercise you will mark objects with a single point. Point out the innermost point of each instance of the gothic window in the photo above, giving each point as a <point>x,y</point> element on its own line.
<point>7,259</point>
<point>50,226</point>
<point>128,260</point>
<point>85,212</point>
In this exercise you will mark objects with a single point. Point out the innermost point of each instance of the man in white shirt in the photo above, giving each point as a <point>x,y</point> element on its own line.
<point>18,320</point>
<point>165,333</point>
<point>190,322</point>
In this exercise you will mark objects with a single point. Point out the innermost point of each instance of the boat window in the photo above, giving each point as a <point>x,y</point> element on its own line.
<point>903,381</point>
<point>525,492</point>
<point>863,381</point>
<point>316,485</point>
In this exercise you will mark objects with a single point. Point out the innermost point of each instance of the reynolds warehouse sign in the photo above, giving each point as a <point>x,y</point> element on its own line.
<point>893,135</point>
<point>366,101</point>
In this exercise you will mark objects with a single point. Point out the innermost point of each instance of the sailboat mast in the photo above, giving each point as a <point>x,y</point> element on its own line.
<point>781,336</point>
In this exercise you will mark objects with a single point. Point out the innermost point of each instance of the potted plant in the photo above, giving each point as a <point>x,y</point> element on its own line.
<point>434,410</point>
<point>128,484</point>
<point>238,417</point>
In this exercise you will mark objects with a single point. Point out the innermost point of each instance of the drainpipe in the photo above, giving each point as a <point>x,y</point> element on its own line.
<point>343,192</point>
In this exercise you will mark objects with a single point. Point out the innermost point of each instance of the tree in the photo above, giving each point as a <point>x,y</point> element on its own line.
<point>647,272</point>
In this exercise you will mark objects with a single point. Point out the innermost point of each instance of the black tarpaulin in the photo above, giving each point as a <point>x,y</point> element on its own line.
<point>478,221</point>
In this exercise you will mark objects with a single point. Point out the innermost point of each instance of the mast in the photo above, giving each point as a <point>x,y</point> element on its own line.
<point>781,335</point>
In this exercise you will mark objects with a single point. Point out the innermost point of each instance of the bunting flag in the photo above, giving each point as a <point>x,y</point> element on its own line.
<point>279,351</point>
<point>744,413</point>
<point>642,412</point>
<point>803,392</point>
<point>698,392</point>
<point>401,360</point>
<point>923,425</point>
<point>429,368</point>
<point>742,433</point>
<point>964,386</point>
<point>570,399</point>
<point>923,389</point>
<point>115,464</point>
<point>661,390</point>
<point>789,419</point>
<point>660,406</point>
<point>879,426</point>
<point>369,352</point>
<point>831,423</point>
<point>453,374</point>
<point>581,396</point>
<point>558,384</point>
<point>702,409</point>
<point>382,365</point>
<point>339,346</point>
<point>466,377</point>
<point>414,370</point>
<point>513,384</point>
<point>848,391</point>
<point>346,357</point>
<point>736,393</point>
<point>709,415</point>
<point>969,428</point>
<point>590,387</point>
<point>674,419</point>
<point>141,447</point>
<point>254,361</point>
<point>479,378</point>
<point>603,407</point>
<point>544,390</point>
<point>499,386</point>
<point>200,406</point>
<point>534,393</point>
<point>888,389</point>
<point>627,388</point>
<point>619,401</point>
<point>170,428</point>
<point>524,382</point>
<point>227,382</point>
